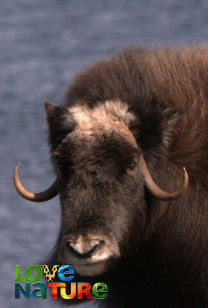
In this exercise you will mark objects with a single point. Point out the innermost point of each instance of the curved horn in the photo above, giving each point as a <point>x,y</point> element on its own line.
<point>48,194</point>
<point>155,190</point>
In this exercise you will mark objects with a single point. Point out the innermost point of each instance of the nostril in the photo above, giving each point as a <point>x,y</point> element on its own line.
<point>82,252</point>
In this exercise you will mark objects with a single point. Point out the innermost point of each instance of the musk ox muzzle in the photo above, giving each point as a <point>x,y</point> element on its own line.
<point>88,253</point>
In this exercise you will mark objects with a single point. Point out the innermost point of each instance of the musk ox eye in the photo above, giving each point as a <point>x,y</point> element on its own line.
<point>132,165</point>
<point>59,167</point>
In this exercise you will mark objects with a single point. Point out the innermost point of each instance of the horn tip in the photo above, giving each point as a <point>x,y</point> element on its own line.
<point>17,166</point>
<point>185,171</point>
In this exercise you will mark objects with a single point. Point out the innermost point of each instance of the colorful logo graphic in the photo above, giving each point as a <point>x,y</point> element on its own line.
<point>65,289</point>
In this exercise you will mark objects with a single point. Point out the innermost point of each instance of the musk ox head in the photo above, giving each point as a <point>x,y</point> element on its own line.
<point>101,177</point>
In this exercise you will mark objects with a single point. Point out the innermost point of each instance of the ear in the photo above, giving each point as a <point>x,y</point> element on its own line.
<point>49,107</point>
<point>156,129</point>
<point>58,127</point>
<point>52,111</point>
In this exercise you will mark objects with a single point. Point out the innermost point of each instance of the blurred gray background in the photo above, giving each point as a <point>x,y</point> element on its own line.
<point>42,45</point>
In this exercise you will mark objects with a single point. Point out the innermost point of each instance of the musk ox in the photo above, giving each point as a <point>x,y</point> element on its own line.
<point>129,147</point>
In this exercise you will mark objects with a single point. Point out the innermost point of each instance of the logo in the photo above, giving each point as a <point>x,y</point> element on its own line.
<point>30,286</point>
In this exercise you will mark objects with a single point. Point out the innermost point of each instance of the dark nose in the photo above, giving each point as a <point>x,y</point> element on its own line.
<point>84,248</point>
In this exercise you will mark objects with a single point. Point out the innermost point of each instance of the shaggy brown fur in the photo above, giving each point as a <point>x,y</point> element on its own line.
<point>167,90</point>
<point>143,78</point>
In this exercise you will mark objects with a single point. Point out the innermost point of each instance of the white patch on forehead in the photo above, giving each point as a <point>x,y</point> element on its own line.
<point>103,114</point>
